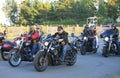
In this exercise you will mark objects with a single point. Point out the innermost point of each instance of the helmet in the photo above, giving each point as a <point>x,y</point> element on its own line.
<point>72,35</point>
<point>113,25</point>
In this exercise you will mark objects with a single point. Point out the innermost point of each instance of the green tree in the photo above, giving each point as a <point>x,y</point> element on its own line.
<point>113,9</point>
<point>11,10</point>
<point>83,9</point>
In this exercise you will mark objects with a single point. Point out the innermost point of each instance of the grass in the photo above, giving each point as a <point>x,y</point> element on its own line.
<point>15,31</point>
<point>118,76</point>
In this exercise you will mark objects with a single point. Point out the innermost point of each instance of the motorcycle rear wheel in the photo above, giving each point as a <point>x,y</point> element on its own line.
<point>74,58</point>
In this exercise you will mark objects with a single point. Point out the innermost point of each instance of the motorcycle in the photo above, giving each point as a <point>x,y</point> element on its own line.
<point>50,55</point>
<point>87,45</point>
<point>21,51</point>
<point>5,47</point>
<point>110,46</point>
<point>76,41</point>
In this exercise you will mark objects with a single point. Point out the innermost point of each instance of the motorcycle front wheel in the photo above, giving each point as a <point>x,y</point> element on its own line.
<point>83,50</point>
<point>95,51</point>
<point>78,45</point>
<point>4,55</point>
<point>14,58</point>
<point>40,62</point>
<point>105,52</point>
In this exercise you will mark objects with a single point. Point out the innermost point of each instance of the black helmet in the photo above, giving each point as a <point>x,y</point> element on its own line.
<point>113,25</point>
<point>72,35</point>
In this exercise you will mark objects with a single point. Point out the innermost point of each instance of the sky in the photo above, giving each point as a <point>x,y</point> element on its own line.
<point>3,19</point>
<point>2,15</point>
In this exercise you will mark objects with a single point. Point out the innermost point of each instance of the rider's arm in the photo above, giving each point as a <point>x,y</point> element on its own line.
<point>65,37</point>
<point>117,32</point>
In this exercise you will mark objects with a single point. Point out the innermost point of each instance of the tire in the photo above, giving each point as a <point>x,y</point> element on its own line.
<point>74,60</point>
<point>83,50</point>
<point>105,52</point>
<point>95,51</point>
<point>78,45</point>
<point>14,58</point>
<point>38,60</point>
<point>4,55</point>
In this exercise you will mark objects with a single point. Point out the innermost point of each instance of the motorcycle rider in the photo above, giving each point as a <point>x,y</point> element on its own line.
<point>92,35</point>
<point>31,31</point>
<point>35,38</point>
<point>86,30</point>
<point>41,33</point>
<point>62,35</point>
<point>116,31</point>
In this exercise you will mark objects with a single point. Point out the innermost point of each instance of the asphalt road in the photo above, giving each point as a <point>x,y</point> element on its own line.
<point>87,66</point>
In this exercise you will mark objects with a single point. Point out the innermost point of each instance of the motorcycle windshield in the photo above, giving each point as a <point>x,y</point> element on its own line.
<point>48,39</point>
<point>108,33</point>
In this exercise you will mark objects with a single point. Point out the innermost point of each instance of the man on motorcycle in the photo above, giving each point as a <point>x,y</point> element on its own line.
<point>35,38</point>
<point>116,31</point>
<point>32,31</point>
<point>92,35</point>
<point>62,35</point>
<point>86,30</point>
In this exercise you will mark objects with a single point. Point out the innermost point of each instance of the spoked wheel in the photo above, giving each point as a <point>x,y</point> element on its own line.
<point>73,59</point>
<point>40,62</point>
<point>105,52</point>
<point>14,58</point>
<point>83,50</point>
<point>4,55</point>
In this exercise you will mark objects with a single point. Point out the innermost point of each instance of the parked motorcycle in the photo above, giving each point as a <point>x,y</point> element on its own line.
<point>5,47</point>
<point>21,51</point>
<point>76,41</point>
<point>50,55</point>
<point>87,45</point>
<point>110,46</point>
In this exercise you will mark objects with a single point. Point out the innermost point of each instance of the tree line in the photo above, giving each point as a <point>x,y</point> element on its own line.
<point>30,12</point>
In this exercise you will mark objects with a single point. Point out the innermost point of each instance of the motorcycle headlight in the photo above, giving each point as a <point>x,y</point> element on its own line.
<point>85,38</point>
<point>106,38</point>
<point>46,43</point>
<point>27,44</point>
<point>18,42</point>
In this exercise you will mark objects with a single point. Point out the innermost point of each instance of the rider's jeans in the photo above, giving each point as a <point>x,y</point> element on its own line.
<point>34,48</point>
<point>94,43</point>
<point>117,43</point>
<point>64,50</point>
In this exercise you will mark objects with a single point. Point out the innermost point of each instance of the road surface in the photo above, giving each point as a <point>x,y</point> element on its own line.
<point>87,66</point>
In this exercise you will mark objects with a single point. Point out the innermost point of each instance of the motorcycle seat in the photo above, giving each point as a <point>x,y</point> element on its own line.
<point>9,42</point>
